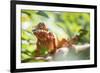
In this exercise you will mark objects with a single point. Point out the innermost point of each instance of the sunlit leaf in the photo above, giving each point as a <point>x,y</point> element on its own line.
<point>42,13</point>
<point>24,56</point>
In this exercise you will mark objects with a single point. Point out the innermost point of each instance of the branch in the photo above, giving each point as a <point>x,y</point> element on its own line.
<point>79,48</point>
<point>64,53</point>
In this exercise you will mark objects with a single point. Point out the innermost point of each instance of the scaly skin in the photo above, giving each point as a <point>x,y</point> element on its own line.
<point>46,39</point>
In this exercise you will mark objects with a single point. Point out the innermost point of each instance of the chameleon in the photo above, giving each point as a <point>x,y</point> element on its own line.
<point>48,40</point>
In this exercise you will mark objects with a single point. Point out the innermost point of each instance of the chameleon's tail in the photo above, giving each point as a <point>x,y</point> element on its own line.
<point>76,38</point>
<point>73,40</point>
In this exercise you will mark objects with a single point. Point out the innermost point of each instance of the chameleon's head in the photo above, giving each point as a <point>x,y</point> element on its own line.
<point>40,26</point>
<point>41,31</point>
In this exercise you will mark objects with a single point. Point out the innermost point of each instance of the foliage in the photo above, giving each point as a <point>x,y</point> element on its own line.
<point>63,24</point>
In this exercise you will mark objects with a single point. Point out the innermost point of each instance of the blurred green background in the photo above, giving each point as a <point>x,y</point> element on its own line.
<point>63,24</point>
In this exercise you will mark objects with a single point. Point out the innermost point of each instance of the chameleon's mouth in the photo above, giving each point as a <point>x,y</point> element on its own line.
<point>40,31</point>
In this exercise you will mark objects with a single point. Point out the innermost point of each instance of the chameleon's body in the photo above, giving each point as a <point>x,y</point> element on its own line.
<point>48,40</point>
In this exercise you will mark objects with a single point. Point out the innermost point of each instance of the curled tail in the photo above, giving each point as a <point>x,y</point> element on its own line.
<point>73,40</point>
<point>76,38</point>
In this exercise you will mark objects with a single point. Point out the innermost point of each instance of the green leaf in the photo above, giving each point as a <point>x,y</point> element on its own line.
<point>24,56</point>
<point>42,13</point>
<point>27,36</point>
<point>44,51</point>
<point>29,47</point>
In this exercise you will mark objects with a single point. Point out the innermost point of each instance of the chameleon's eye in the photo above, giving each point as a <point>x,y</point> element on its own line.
<point>41,25</point>
<point>33,30</point>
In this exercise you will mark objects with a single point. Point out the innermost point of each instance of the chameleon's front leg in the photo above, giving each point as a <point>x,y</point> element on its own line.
<point>38,49</point>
